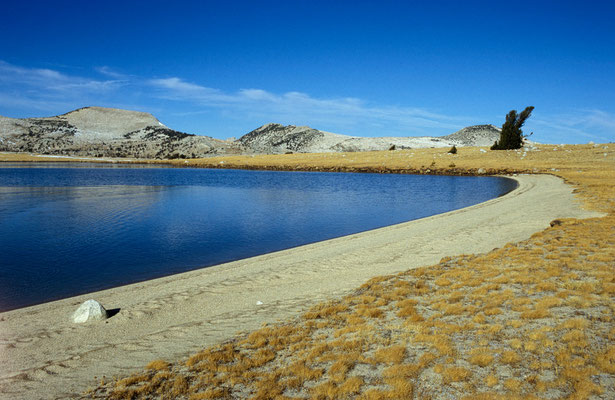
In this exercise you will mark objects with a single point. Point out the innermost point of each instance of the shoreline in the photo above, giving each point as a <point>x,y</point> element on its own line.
<point>511,182</point>
<point>333,162</point>
<point>177,315</point>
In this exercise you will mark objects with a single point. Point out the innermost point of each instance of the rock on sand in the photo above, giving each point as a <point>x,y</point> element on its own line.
<point>90,310</point>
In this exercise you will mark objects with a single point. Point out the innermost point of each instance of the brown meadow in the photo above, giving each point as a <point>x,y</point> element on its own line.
<point>533,319</point>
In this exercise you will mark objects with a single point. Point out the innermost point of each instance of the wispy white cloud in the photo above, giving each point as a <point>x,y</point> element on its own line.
<point>41,107</point>
<point>578,126</point>
<point>87,86</point>
<point>48,89</point>
<point>28,75</point>
<point>298,106</point>
<point>47,80</point>
<point>24,90</point>
<point>110,72</point>
<point>177,89</point>
<point>53,91</point>
<point>600,119</point>
<point>180,87</point>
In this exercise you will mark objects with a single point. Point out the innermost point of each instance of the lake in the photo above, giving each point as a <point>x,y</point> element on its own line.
<point>68,229</point>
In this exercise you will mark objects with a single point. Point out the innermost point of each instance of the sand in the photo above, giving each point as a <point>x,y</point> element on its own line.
<point>44,355</point>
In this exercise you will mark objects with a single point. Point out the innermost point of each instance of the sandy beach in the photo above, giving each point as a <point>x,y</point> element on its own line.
<point>44,355</point>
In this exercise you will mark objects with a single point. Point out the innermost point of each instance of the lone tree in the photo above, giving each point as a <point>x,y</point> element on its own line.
<point>511,136</point>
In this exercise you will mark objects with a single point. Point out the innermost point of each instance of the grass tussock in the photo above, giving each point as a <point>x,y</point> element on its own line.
<point>533,319</point>
<point>158,365</point>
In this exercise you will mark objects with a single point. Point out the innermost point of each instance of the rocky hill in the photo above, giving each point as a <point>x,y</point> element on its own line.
<point>476,135</point>
<point>105,132</point>
<point>276,138</point>
<point>109,132</point>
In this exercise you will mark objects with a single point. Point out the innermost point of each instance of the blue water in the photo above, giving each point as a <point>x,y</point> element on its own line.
<point>72,229</point>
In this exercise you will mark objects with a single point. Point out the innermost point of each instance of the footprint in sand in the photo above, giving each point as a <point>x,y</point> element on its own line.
<point>7,345</point>
<point>180,297</point>
<point>133,347</point>
<point>55,369</point>
<point>27,340</point>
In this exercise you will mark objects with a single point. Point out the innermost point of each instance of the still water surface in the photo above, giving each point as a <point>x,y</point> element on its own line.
<point>72,229</point>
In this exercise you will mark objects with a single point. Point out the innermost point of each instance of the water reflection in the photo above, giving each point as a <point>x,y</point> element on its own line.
<point>65,230</point>
<point>87,165</point>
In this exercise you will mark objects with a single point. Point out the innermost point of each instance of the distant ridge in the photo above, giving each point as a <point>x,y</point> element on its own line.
<point>104,132</point>
<point>111,132</point>
<point>476,135</point>
<point>276,138</point>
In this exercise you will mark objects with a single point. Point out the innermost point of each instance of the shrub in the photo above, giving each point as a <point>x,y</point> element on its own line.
<point>511,136</point>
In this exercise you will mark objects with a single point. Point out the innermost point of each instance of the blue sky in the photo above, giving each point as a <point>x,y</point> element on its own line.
<point>364,68</point>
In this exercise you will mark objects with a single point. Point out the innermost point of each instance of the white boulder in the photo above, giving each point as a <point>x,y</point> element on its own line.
<point>90,310</point>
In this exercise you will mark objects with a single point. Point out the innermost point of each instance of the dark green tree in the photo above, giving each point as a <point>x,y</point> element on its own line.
<point>511,136</point>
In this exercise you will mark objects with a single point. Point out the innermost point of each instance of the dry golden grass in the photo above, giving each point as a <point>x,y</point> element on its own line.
<point>455,374</point>
<point>533,319</point>
<point>158,365</point>
<point>481,357</point>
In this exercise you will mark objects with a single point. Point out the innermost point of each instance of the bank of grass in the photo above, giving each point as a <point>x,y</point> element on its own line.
<point>533,319</point>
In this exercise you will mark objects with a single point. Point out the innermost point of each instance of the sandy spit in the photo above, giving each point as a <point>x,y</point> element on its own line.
<point>43,355</point>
